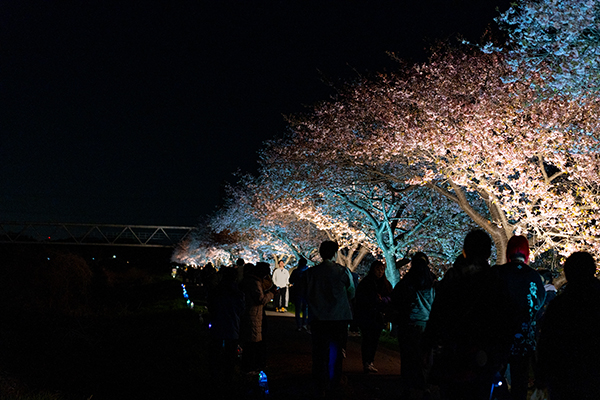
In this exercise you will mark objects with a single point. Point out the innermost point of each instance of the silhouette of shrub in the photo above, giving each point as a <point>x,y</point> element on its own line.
<point>63,283</point>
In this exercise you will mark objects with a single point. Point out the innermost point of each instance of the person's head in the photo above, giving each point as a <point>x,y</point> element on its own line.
<point>419,255</point>
<point>249,269</point>
<point>377,269</point>
<point>579,267</point>
<point>302,262</point>
<point>328,249</point>
<point>517,249</point>
<point>281,264</point>
<point>419,275</point>
<point>477,245</point>
<point>262,269</point>
<point>240,262</point>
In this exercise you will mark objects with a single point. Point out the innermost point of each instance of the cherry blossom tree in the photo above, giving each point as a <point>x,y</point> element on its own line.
<point>394,218</point>
<point>264,225</point>
<point>513,163</point>
<point>557,40</point>
<point>199,250</point>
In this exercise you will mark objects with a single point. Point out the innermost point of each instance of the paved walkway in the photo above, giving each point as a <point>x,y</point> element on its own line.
<point>289,365</point>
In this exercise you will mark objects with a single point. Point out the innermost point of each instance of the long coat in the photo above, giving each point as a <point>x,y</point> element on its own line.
<point>252,318</point>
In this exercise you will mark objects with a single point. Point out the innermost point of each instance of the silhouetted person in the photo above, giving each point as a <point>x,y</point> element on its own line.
<point>226,305</point>
<point>329,291</point>
<point>298,294</point>
<point>257,293</point>
<point>209,278</point>
<point>412,300</point>
<point>526,295</point>
<point>569,346</point>
<point>372,298</point>
<point>468,324</point>
<point>239,266</point>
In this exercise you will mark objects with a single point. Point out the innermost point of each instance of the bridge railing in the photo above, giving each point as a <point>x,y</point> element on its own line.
<point>92,234</point>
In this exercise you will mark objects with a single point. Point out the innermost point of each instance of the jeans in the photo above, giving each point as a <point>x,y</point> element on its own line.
<point>328,338</point>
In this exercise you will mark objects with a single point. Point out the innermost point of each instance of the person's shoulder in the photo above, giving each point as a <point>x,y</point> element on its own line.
<point>341,266</point>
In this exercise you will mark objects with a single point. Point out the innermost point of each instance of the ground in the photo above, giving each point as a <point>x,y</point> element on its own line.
<point>289,365</point>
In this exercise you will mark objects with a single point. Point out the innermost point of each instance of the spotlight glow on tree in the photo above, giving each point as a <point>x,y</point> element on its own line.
<point>396,218</point>
<point>557,40</point>
<point>513,163</point>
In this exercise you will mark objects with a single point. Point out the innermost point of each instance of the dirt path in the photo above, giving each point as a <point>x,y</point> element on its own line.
<point>289,365</point>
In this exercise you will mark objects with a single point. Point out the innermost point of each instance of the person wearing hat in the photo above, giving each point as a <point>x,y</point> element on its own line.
<point>525,295</point>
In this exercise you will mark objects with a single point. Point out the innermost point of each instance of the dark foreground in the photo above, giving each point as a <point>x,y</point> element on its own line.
<point>147,348</point>
<point>289,364</point>
<point>156,348</point>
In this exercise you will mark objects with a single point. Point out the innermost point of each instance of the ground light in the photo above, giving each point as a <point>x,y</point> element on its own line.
<point>263,383</point>
<point>497,383</point>
<point>187,297</point>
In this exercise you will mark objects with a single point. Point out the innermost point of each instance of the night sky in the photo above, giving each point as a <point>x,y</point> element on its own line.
<point>136,112</point>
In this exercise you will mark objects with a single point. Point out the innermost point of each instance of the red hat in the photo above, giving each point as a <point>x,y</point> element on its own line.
<point>517,245</point>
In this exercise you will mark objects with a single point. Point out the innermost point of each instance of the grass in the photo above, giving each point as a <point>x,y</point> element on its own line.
<point>150,346</point>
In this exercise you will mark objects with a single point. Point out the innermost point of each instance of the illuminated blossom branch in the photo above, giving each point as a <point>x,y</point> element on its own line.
<point>264,225</point>
<point>512,163</point>
<point>557,40</point>
<point>395,218</point>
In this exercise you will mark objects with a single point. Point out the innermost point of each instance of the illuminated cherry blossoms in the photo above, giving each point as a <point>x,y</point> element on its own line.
<point>558,40</point>
<point>413,160</point>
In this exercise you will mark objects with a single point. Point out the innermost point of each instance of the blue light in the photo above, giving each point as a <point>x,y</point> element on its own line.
<point>262,382</point>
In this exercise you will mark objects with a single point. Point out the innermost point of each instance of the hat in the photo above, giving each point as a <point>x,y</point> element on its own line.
<point>518,249</point>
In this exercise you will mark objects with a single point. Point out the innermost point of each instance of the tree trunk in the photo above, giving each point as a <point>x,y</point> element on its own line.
<point>500,241</point>
<point>348,259</point>
<point>499,235</point>
<point>391,273</point>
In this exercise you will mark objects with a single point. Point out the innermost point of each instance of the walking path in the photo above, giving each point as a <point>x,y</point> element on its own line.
<point>289,365</point>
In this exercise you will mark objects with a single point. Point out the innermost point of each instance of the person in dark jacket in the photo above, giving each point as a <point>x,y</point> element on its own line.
<point>329,290</point>
<point>412,299</point>
<point>526,294</point>
<point>569,345</point>
<point>298,294</point>
<point>225,304</point>
<point>467,325</point>
<point>372,296</point>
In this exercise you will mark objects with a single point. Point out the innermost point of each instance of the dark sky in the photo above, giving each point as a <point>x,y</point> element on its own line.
<point>136,112</point>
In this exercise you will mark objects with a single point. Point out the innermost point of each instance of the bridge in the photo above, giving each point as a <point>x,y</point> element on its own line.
<point>92,234</point>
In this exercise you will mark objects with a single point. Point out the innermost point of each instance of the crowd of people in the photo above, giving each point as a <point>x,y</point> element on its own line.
<point>481,332</point>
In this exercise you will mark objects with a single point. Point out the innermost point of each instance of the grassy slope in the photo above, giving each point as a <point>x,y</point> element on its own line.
<point>150,349</point>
